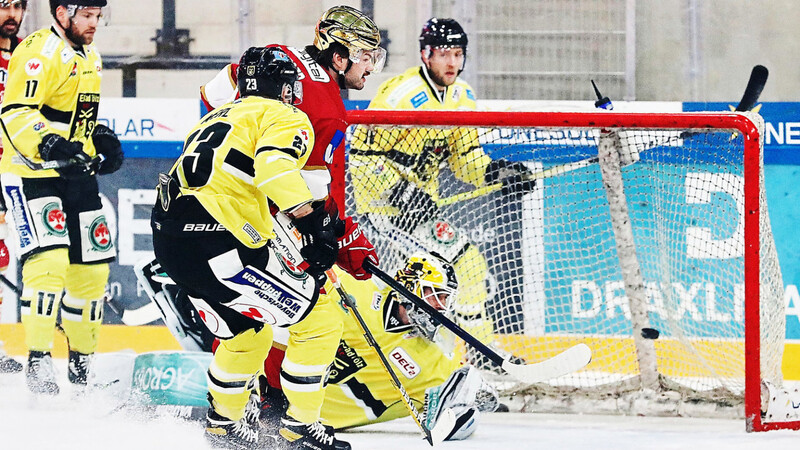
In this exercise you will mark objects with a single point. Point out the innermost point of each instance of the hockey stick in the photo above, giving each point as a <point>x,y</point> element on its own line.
<point>55,164</point>
<point>568,361</point>
<point>446,421</point>
<point>756,83</point>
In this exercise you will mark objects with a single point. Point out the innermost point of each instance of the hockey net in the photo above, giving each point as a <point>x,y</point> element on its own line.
<point>646,237</point>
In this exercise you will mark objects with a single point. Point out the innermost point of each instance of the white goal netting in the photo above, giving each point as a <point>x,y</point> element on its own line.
<point>633,240</point>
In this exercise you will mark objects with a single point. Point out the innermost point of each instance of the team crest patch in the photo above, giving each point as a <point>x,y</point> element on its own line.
<point>54,219</point>
<point>443,232</point>
<point>99,234</point>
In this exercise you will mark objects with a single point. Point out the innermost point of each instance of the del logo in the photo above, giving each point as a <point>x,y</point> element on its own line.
<point>407,366</point>
<point>33,67</point>
<point>99,235</point>
<point>443,232</point>
<point>54,219</point>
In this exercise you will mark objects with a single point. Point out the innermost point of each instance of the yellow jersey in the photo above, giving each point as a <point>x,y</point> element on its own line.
<point>242,154</point>
<point>51,88</point>
<point>380,157</point>
<point>359,390</point>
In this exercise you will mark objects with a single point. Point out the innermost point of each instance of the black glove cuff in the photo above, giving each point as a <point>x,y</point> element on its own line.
<point>317,219</point>
<point>55,147</point>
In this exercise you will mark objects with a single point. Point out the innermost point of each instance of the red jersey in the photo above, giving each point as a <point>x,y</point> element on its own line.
<point>322,103</point>
<point>5,57</point>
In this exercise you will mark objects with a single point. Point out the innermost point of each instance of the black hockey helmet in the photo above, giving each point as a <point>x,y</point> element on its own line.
<point>442,33</point>
<point>73,5</point>
<point>269,72</point>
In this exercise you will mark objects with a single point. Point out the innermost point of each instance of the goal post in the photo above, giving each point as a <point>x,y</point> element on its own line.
<point>663,263</point>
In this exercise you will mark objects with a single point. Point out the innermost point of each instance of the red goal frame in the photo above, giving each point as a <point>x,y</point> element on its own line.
<point>610,120</point>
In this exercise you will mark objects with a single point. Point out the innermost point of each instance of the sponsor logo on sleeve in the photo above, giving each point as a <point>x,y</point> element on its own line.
<point>419,99</point>
<point>34,67</point>
<point>407,366</point>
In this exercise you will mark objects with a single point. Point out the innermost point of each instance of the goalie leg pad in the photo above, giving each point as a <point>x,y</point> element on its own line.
<point>467,394</point>
<point>181,319</point>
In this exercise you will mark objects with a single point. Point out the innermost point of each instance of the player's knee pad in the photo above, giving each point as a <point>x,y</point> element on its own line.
<point>46,271</point>
<point>38,311</point>
<point>81,320</point>
<point>87,280</point>
<point>277,294</point>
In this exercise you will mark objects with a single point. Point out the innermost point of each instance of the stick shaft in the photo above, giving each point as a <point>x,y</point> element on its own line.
<point>370,338</point>
<point>437,315</point>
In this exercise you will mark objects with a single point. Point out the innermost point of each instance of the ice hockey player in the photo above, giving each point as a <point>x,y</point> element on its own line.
<point>358,392</point>
<point>345,51</point>
<point>11,15</point>
<point>421,351</point>
<point>53,147</point>
<point>395,172</point>
<point>212,232</point>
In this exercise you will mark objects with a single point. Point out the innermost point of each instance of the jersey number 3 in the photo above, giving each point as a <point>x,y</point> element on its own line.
<point>198,164</point>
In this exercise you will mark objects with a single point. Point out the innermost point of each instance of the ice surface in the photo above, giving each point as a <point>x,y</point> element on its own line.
<point>70,422</point>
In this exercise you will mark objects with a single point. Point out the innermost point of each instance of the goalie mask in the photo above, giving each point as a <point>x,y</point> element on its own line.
<point>434,281</point>
<point>355,31</point>
<point>443,33</point>
<point>269,73</point>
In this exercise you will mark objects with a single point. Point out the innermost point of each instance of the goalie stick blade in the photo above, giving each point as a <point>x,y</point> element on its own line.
<point>568,361</point>
<point>758,78</point>
<point>444,426</point>
<point>142,315</point>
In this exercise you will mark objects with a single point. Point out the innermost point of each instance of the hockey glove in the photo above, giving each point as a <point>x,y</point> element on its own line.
<point>513,176</point>
<point>416,205</point>
<point>107,144</point>
<point>320,246</point>
<point>354,248</point>
<point>56,148</point>
<point>468,394</point>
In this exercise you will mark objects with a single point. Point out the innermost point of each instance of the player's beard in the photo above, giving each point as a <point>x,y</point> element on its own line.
<point>77,38</point>
<point>9,29</point>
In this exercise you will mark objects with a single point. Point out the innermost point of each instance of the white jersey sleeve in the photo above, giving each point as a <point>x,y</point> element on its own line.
<point>220,90</point>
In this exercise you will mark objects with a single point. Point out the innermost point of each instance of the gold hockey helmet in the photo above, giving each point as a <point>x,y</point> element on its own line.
<point>353,29</point>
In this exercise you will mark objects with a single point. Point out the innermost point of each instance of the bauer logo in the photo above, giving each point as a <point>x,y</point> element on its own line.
<point>400,358</point>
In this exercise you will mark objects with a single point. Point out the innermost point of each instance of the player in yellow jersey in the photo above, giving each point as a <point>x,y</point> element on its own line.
<point>395,172</point>
<point>213,235</point>
<point>53,147</point>
<point>421,352</point>
<point>359,392</point>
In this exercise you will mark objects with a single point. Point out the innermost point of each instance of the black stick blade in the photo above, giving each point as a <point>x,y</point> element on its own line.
<point>758,78</point>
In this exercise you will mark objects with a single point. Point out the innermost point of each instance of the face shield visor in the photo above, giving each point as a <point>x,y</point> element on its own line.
<point>376,57</point>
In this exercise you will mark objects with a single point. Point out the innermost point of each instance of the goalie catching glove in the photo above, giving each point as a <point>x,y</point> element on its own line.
<point>319,230</point>
<point>513,175</point>
<point>107,144</point>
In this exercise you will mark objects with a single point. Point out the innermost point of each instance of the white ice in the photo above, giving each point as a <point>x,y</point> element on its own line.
<point>70,422</point>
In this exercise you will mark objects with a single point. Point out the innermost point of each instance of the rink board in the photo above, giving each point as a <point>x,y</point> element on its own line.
<point>616,353</point>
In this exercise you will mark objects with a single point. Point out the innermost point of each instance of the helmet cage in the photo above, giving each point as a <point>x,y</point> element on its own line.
<point>355,31</point>
<point>431,279</point>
